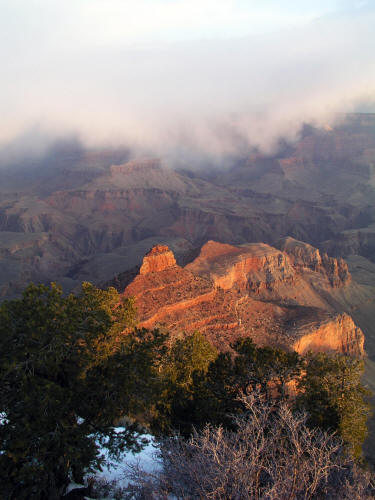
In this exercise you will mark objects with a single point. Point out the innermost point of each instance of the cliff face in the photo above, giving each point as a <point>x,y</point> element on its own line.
<point>158,259</point>
<point>304,255</point>
<point>249,290</point>
<point>353,242</point>
<point>169,295</point>
<point>336,334</point>
<point>254,266</point>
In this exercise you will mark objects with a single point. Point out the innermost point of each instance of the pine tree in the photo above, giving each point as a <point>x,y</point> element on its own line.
<point>60,392</point>
<point>335,399</point>
<point>187,357</point>
<point>267,368</point>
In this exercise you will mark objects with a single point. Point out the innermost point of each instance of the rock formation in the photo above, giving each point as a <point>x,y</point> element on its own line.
<point>338,333</point>
<point>304,255</point>
<point>254,266</point>
<point>157,259</point>
<point>248,290</point>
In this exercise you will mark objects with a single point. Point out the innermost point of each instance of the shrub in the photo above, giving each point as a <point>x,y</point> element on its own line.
<point>271,455</point>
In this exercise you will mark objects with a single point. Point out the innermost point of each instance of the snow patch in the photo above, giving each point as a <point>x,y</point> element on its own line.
<point>115,470</point>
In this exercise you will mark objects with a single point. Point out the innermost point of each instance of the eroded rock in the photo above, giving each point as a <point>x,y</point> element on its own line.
<point>251,290</point>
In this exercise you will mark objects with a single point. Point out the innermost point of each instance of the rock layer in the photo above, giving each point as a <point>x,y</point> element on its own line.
<point>157,259</point>
<point>253,290</point>
<point>335,334</point>
<point>304,255</point>
<point>249,267</point>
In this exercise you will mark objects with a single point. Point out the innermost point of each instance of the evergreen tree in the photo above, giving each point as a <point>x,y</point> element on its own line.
<point>332,394</point>
<point>188,355</point>
<point>186,358</point>
<point>217,392</point>
<point>59,392</point>
<point>267,368</point>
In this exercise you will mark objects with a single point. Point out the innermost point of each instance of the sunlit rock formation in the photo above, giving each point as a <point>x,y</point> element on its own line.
<point>275,297</point>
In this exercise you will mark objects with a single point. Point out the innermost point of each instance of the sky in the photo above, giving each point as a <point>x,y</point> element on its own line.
<point>215,76</point>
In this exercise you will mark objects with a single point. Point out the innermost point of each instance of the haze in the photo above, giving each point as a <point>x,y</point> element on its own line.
<point>172,76</point>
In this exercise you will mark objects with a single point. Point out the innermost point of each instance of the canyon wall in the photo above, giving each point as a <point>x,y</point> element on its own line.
<point>337,334</point>
<point>252,290</point>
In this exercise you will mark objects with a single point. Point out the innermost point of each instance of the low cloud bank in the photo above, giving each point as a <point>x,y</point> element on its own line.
<point>217,97</point>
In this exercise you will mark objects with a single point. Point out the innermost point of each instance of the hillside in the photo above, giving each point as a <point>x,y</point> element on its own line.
<point>275,297</point>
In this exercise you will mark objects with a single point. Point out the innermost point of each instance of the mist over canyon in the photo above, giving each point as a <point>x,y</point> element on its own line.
<point>80,214</point>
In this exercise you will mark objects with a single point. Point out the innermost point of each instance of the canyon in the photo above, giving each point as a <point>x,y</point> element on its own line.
<point>77,214</point>
<point>277,246</point>
<point>91,215</point>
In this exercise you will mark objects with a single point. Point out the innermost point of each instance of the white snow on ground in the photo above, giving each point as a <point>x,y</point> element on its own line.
<point>115,470</point>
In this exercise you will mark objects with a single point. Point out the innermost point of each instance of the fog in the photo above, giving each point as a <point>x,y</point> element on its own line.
<point>212,95</point>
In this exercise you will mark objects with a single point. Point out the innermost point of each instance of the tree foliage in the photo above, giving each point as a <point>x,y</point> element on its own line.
<point>332,393</point>
<point>187,358</point>
<point>329,388</point>
<point>60,392</point>
<point>188,355</point>
<point>216,393</point>
<point>269,368</point>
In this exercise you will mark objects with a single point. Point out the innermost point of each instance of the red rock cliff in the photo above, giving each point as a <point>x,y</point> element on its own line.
<point>249,267</point>
<point>157,259</point>
<point>338,333</point>
<point>250,290</point>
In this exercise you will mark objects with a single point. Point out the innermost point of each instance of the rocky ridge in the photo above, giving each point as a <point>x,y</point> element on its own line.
<point>303,255</point>
<point>157,259</point>
<point>247,290</point>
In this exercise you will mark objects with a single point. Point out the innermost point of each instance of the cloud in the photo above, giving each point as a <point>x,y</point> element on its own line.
<point>218,96</point>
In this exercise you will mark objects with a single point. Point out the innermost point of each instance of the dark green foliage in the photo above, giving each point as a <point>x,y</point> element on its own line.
<point>66,373</point>
<point>187,358</point>
<point>331,389</point>
<point>137,368</point>
<point>334,397</point>
<point>265,367</point>
<point>188,355</point>
<point>215,392</point>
